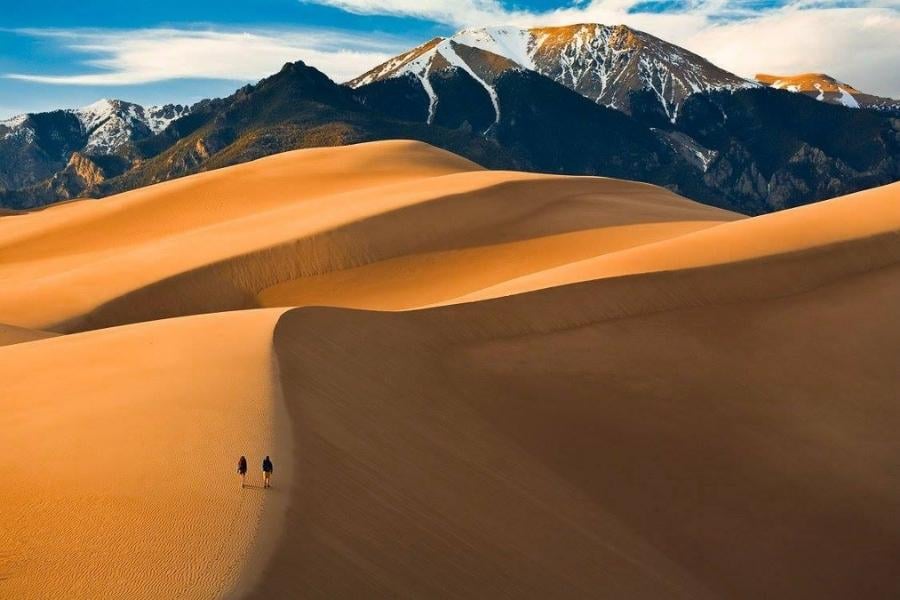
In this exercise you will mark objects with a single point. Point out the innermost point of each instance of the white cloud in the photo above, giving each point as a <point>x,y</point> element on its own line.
<point>853,41</point>
<point>452,12</point>
<point>126,57</point>
<point>857,44</point>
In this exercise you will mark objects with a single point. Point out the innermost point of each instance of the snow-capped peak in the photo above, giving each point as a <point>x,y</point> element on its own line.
<point>13,128</point>
<point>510,42</point>
<point>97,112</point>
<point>439,54</point>
<point>13,122</point>
<point>603,63</point>
<point>108,124</point>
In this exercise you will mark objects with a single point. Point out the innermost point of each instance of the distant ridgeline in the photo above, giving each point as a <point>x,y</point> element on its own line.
<point>580,100</point>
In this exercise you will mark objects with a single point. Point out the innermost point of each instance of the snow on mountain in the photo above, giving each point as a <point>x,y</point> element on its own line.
<point>159,117</point>
<point>12,127</point>
<point>510,42</point>
<point>603,63</point>
<point>825,88</point>
<point>107,124</point>
<point>448,50</point>
<point>110,124</point>
<point>847,99</point>
<point>436,55</point>
<point>13,122</point>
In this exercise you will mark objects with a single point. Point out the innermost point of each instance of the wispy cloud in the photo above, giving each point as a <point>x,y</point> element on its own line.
<point>127,57</point>
<point>452,12</point>
<point>854,40</point>
<point>856,45</point>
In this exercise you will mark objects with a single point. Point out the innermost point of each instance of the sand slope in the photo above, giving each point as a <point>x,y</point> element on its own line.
<point>122,445</point>
<point>866,214</point>
<point>214,241</point>
<point>559,445</point>
<point>621,393</point>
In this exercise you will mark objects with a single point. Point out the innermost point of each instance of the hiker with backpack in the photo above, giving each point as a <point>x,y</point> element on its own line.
<point>242,469</point>
<point>267,472</point>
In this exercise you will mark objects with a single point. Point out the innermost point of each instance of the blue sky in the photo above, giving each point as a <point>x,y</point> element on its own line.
<point>61,53</point>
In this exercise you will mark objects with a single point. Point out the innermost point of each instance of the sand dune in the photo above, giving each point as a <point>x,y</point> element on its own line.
<point>416,280</point>
<point>160,210</point>
<point>557,445</point>
<point>214,241</point>
<point>865,214</point>
<point>64,261</point>
<point>122,444</point>
<point>621,393</point>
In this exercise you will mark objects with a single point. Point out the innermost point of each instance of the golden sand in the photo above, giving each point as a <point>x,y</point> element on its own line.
<point>617,392</point>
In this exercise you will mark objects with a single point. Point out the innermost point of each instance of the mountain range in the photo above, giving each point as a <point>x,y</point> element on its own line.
<point>585,100</point>
<point>35,146</point>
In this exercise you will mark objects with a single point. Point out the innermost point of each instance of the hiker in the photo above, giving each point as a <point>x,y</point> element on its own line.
<point>267,471</point>
<point>242,469</point>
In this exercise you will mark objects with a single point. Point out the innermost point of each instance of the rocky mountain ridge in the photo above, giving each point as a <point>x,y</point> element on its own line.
<point>44,142</point>
<point>752,149</point>
<point>600,62</point>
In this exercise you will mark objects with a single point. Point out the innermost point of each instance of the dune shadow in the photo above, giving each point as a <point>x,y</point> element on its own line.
<point>509,216</point>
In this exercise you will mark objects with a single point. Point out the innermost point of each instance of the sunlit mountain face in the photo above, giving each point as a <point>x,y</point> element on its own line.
<point>605,64</point>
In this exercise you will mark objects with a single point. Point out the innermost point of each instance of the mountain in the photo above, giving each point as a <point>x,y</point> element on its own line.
<point>747,148</point>
<point>555,130</point>
<point>537,124</point>
<point>601,62</point>
<point>752,150</point>
<point>828,89</point>
<point>38,145</point>
<point>547,126</point>
<point>438,56</point>
<point>298,107</point>
<point>768,149</point>
<point>110,124</point>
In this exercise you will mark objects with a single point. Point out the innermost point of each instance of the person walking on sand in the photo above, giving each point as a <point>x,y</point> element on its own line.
<point>267,472</point>
<point>242,469</point>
